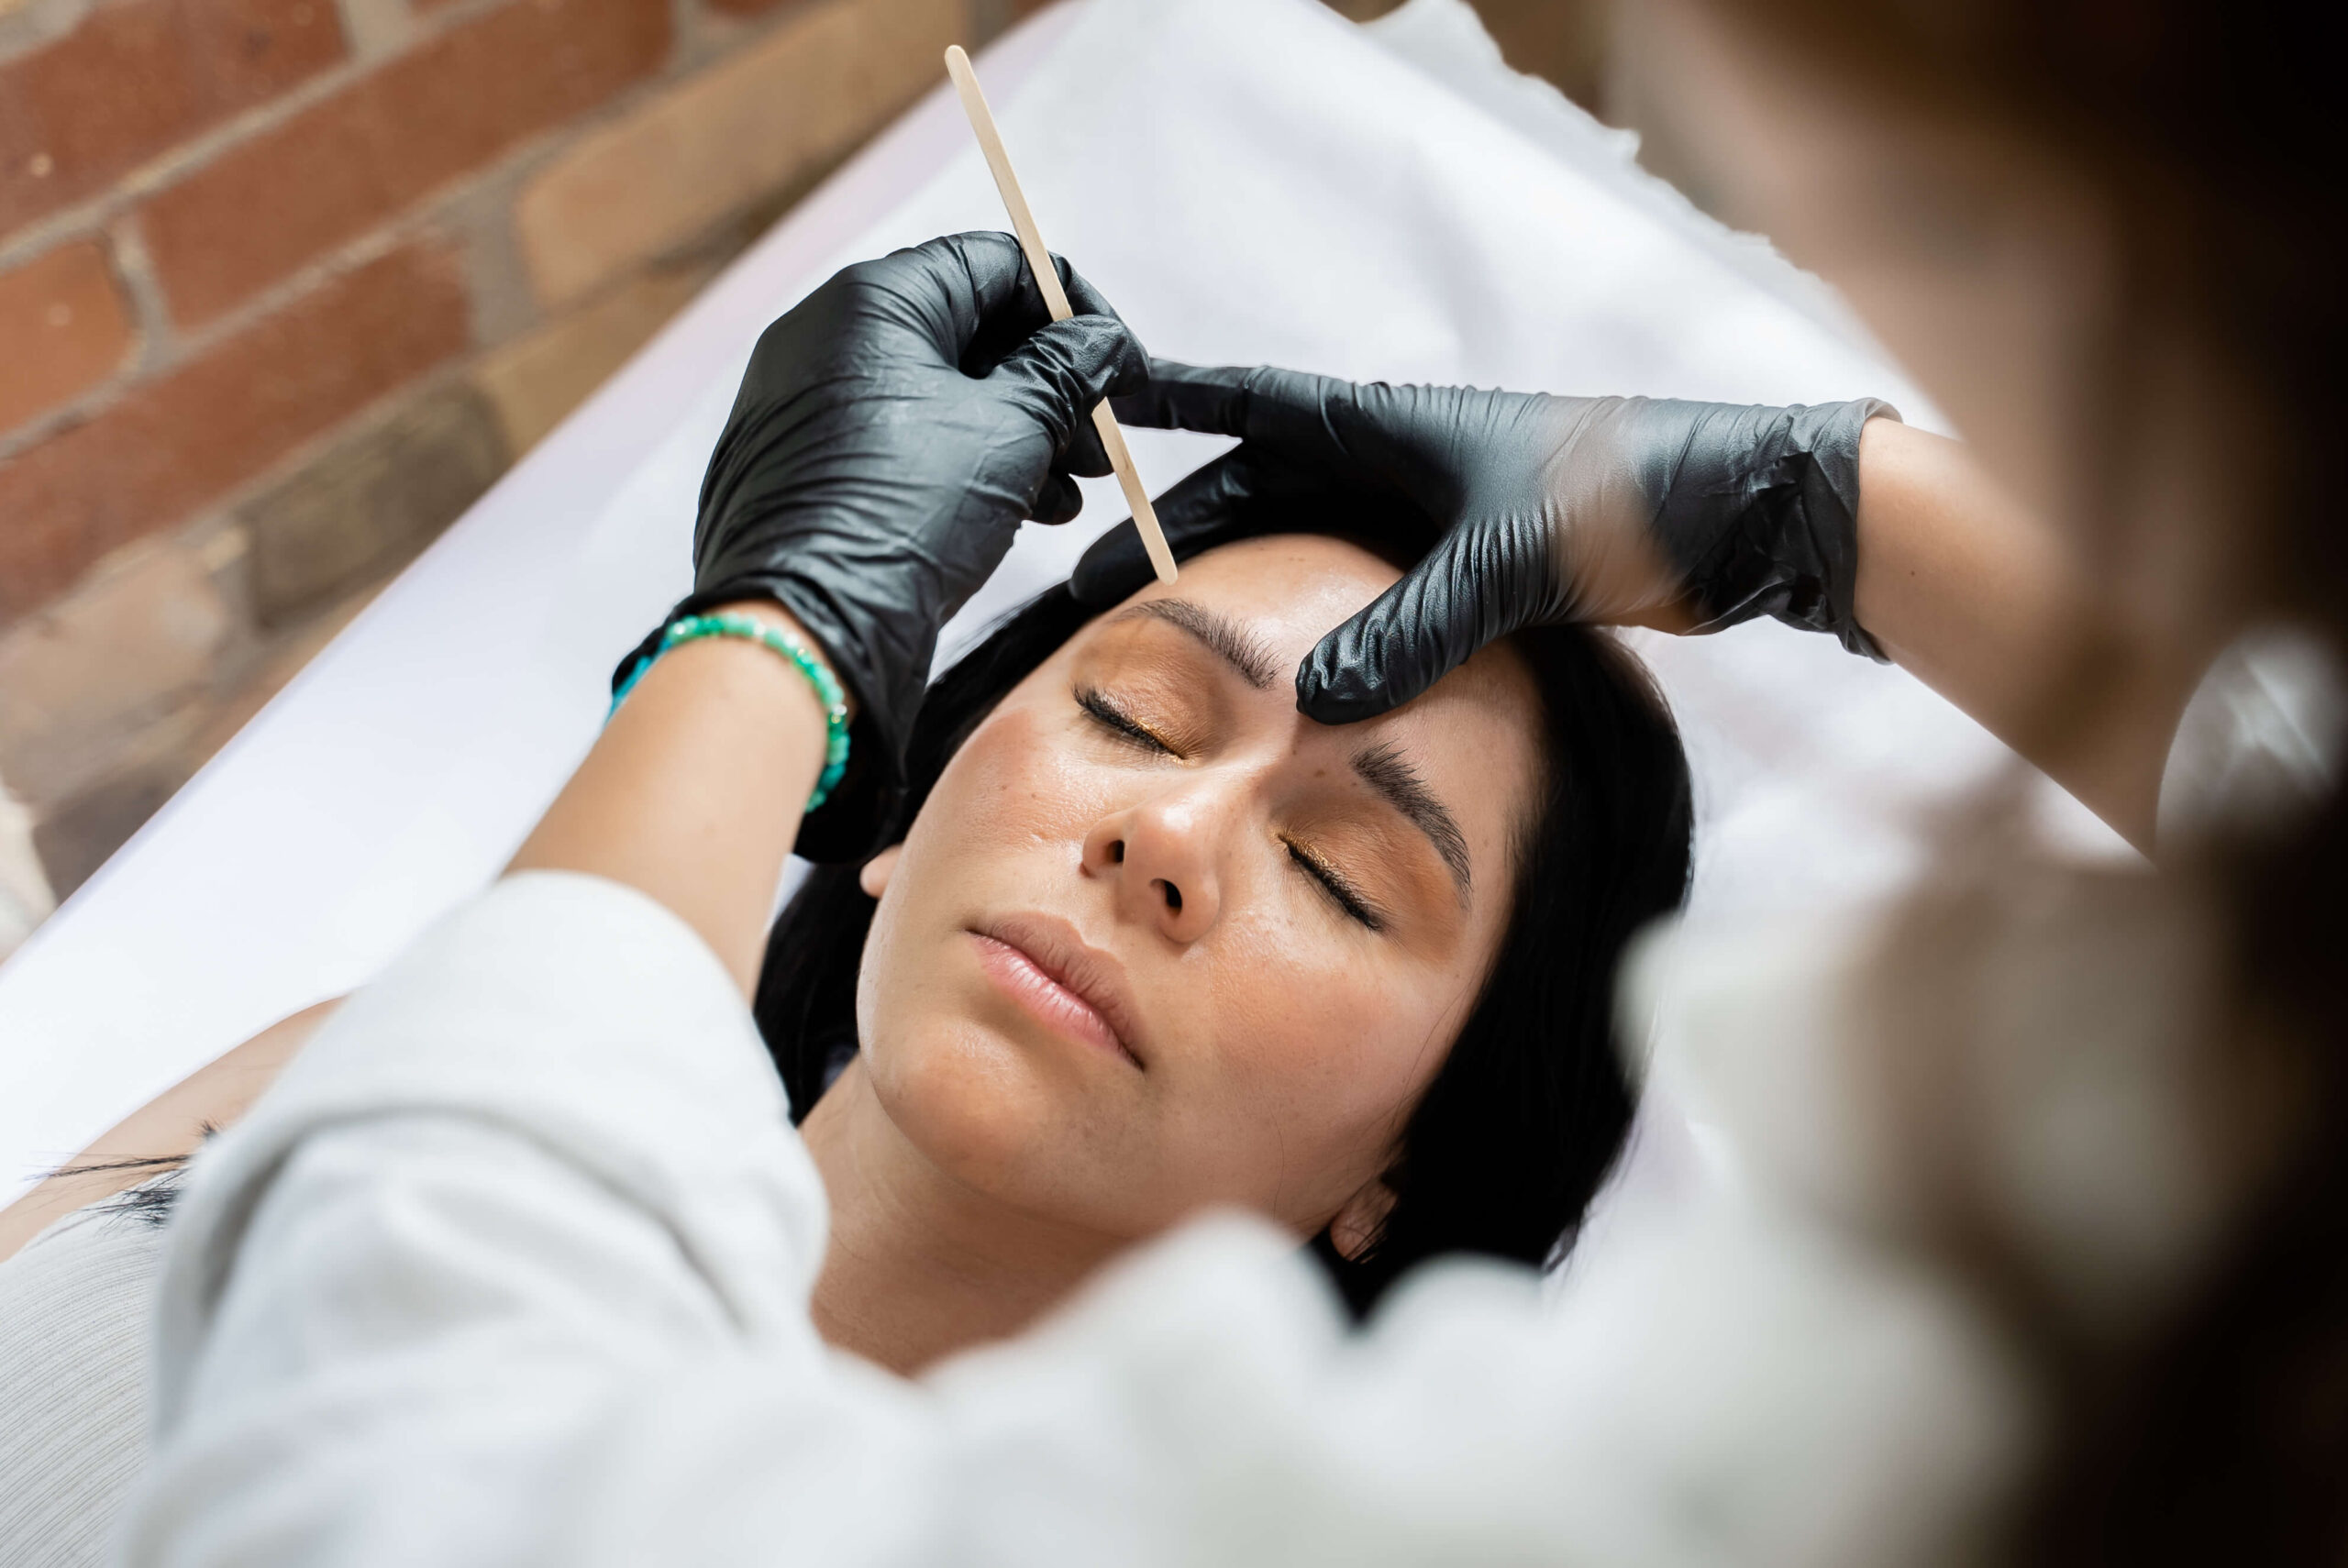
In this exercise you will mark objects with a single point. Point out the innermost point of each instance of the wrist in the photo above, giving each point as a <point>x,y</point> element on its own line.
<point>755,660</point>
<point>765,612</point>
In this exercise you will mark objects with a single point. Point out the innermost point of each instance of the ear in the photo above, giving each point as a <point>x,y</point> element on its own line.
<point>874,876</point>
<point>1358,1222</point>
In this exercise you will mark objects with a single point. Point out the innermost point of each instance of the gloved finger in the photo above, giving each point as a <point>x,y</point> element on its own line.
<point>1002,293</point>
<point>1062,369</point>
<point>1086,455</point>
<point>1210,399</point>
<point>1006,307</point>
<point>1083,297</point>
<point>1057,502</point>
<point>967,297</point>
<point>1297,413</point>
<point>1462,596</point>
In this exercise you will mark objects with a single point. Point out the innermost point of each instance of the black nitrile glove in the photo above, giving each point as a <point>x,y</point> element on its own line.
<point>1538,510</point>
<point>892,430</point>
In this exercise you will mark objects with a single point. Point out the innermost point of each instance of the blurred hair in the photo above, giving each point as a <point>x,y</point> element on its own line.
<point>2212,130</point>
<point>1520,1123</point>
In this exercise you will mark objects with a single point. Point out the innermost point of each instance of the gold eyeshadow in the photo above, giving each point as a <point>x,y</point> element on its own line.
<point>1142,684</point>
<point>1112,716</point>
<point>1336,885</point>
<point>1151,676</point>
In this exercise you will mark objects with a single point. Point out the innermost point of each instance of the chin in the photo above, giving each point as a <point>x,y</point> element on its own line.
<point>973,1103</point>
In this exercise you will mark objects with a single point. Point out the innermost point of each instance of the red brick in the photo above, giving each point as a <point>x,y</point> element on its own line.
<point>132,79</point>
<point>338,169</point>
<point>165,449</point>
<point>250,50</point>
<point>62,330</point>
<point>725,140</point>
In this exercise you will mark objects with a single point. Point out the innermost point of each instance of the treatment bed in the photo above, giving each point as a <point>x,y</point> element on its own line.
<point>1249,181</point>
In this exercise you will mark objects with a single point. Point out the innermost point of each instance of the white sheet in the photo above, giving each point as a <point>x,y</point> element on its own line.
<point>1248,179</point>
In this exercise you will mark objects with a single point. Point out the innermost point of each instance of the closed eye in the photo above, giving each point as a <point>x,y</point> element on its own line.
<point>1103,710</point>
<point>1097,705</point>
<point>1338,890</point>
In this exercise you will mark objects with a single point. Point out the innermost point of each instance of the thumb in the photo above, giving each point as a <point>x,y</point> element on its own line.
<point>1065,367</point>
<point>1473,586</point>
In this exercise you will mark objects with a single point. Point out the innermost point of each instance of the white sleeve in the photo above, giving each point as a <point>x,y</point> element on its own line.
<point>512,1267</point>
<point>2260,741</point>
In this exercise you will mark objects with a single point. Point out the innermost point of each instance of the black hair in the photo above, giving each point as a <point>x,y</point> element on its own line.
<point>1527,1113</point>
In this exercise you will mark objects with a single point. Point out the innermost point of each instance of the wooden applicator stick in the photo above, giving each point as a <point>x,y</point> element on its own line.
<point>1048,278</point>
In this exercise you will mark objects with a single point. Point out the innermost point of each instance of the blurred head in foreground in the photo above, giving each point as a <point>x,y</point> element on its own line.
<point>2106,235</point>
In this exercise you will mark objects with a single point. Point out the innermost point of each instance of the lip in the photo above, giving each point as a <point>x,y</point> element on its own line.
<point>1074,989</point>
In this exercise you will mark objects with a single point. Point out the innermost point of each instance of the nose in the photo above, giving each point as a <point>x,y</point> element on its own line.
<point>1160,858</point>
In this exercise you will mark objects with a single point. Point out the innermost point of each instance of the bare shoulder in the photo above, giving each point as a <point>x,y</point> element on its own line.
<point>165,1130</point>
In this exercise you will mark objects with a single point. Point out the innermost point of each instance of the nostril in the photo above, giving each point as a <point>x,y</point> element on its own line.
<point>1173,896</point>
<point>1117,853</point>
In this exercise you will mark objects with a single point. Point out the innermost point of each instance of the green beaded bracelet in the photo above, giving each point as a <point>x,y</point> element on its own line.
<point>689,628</point>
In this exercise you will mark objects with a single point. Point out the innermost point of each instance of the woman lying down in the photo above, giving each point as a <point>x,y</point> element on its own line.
<point>1144,940</point>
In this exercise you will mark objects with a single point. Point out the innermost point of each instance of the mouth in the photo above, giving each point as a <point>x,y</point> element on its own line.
<point>1075,990</point>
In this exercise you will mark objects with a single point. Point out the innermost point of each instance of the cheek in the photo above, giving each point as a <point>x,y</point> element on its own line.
<point>1322,1045</point>
<point>1014,783</point>
<point>1002,798</point>
<point>1004,828</point>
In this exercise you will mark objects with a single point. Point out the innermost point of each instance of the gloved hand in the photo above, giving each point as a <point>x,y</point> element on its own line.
<point>891,432</point>
<point>1534,510</point>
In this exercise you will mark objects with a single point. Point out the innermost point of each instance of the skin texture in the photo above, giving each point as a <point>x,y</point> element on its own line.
<point>981,1160</point>
<point>2001,615</point>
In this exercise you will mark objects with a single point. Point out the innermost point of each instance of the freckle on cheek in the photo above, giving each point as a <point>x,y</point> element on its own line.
<point>1010,779</point>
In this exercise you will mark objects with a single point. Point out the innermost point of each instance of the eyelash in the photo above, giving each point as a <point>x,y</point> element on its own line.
<point>1102,711</point>
<point>1343,897</point>
<point>1117,722</point>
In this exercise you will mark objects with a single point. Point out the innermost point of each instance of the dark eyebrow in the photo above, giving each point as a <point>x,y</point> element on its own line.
<point>1385,769</point>
<point>1226,639</point>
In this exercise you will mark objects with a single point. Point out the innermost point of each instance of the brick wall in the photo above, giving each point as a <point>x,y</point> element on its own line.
<point>285,284</point>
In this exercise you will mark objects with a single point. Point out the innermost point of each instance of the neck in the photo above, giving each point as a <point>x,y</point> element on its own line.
<point>922,1265</point>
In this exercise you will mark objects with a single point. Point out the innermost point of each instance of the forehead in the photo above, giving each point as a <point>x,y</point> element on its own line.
<point>1475,728</point>
<point>1289,589</point>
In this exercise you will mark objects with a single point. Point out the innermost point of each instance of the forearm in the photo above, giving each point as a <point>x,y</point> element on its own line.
<point>691,795</point>
<point>544,1156</point>
<point>1995,611</point>
<point>694,791</point>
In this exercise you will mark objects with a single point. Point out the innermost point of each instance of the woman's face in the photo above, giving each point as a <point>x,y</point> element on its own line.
<point>1157,941</point>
